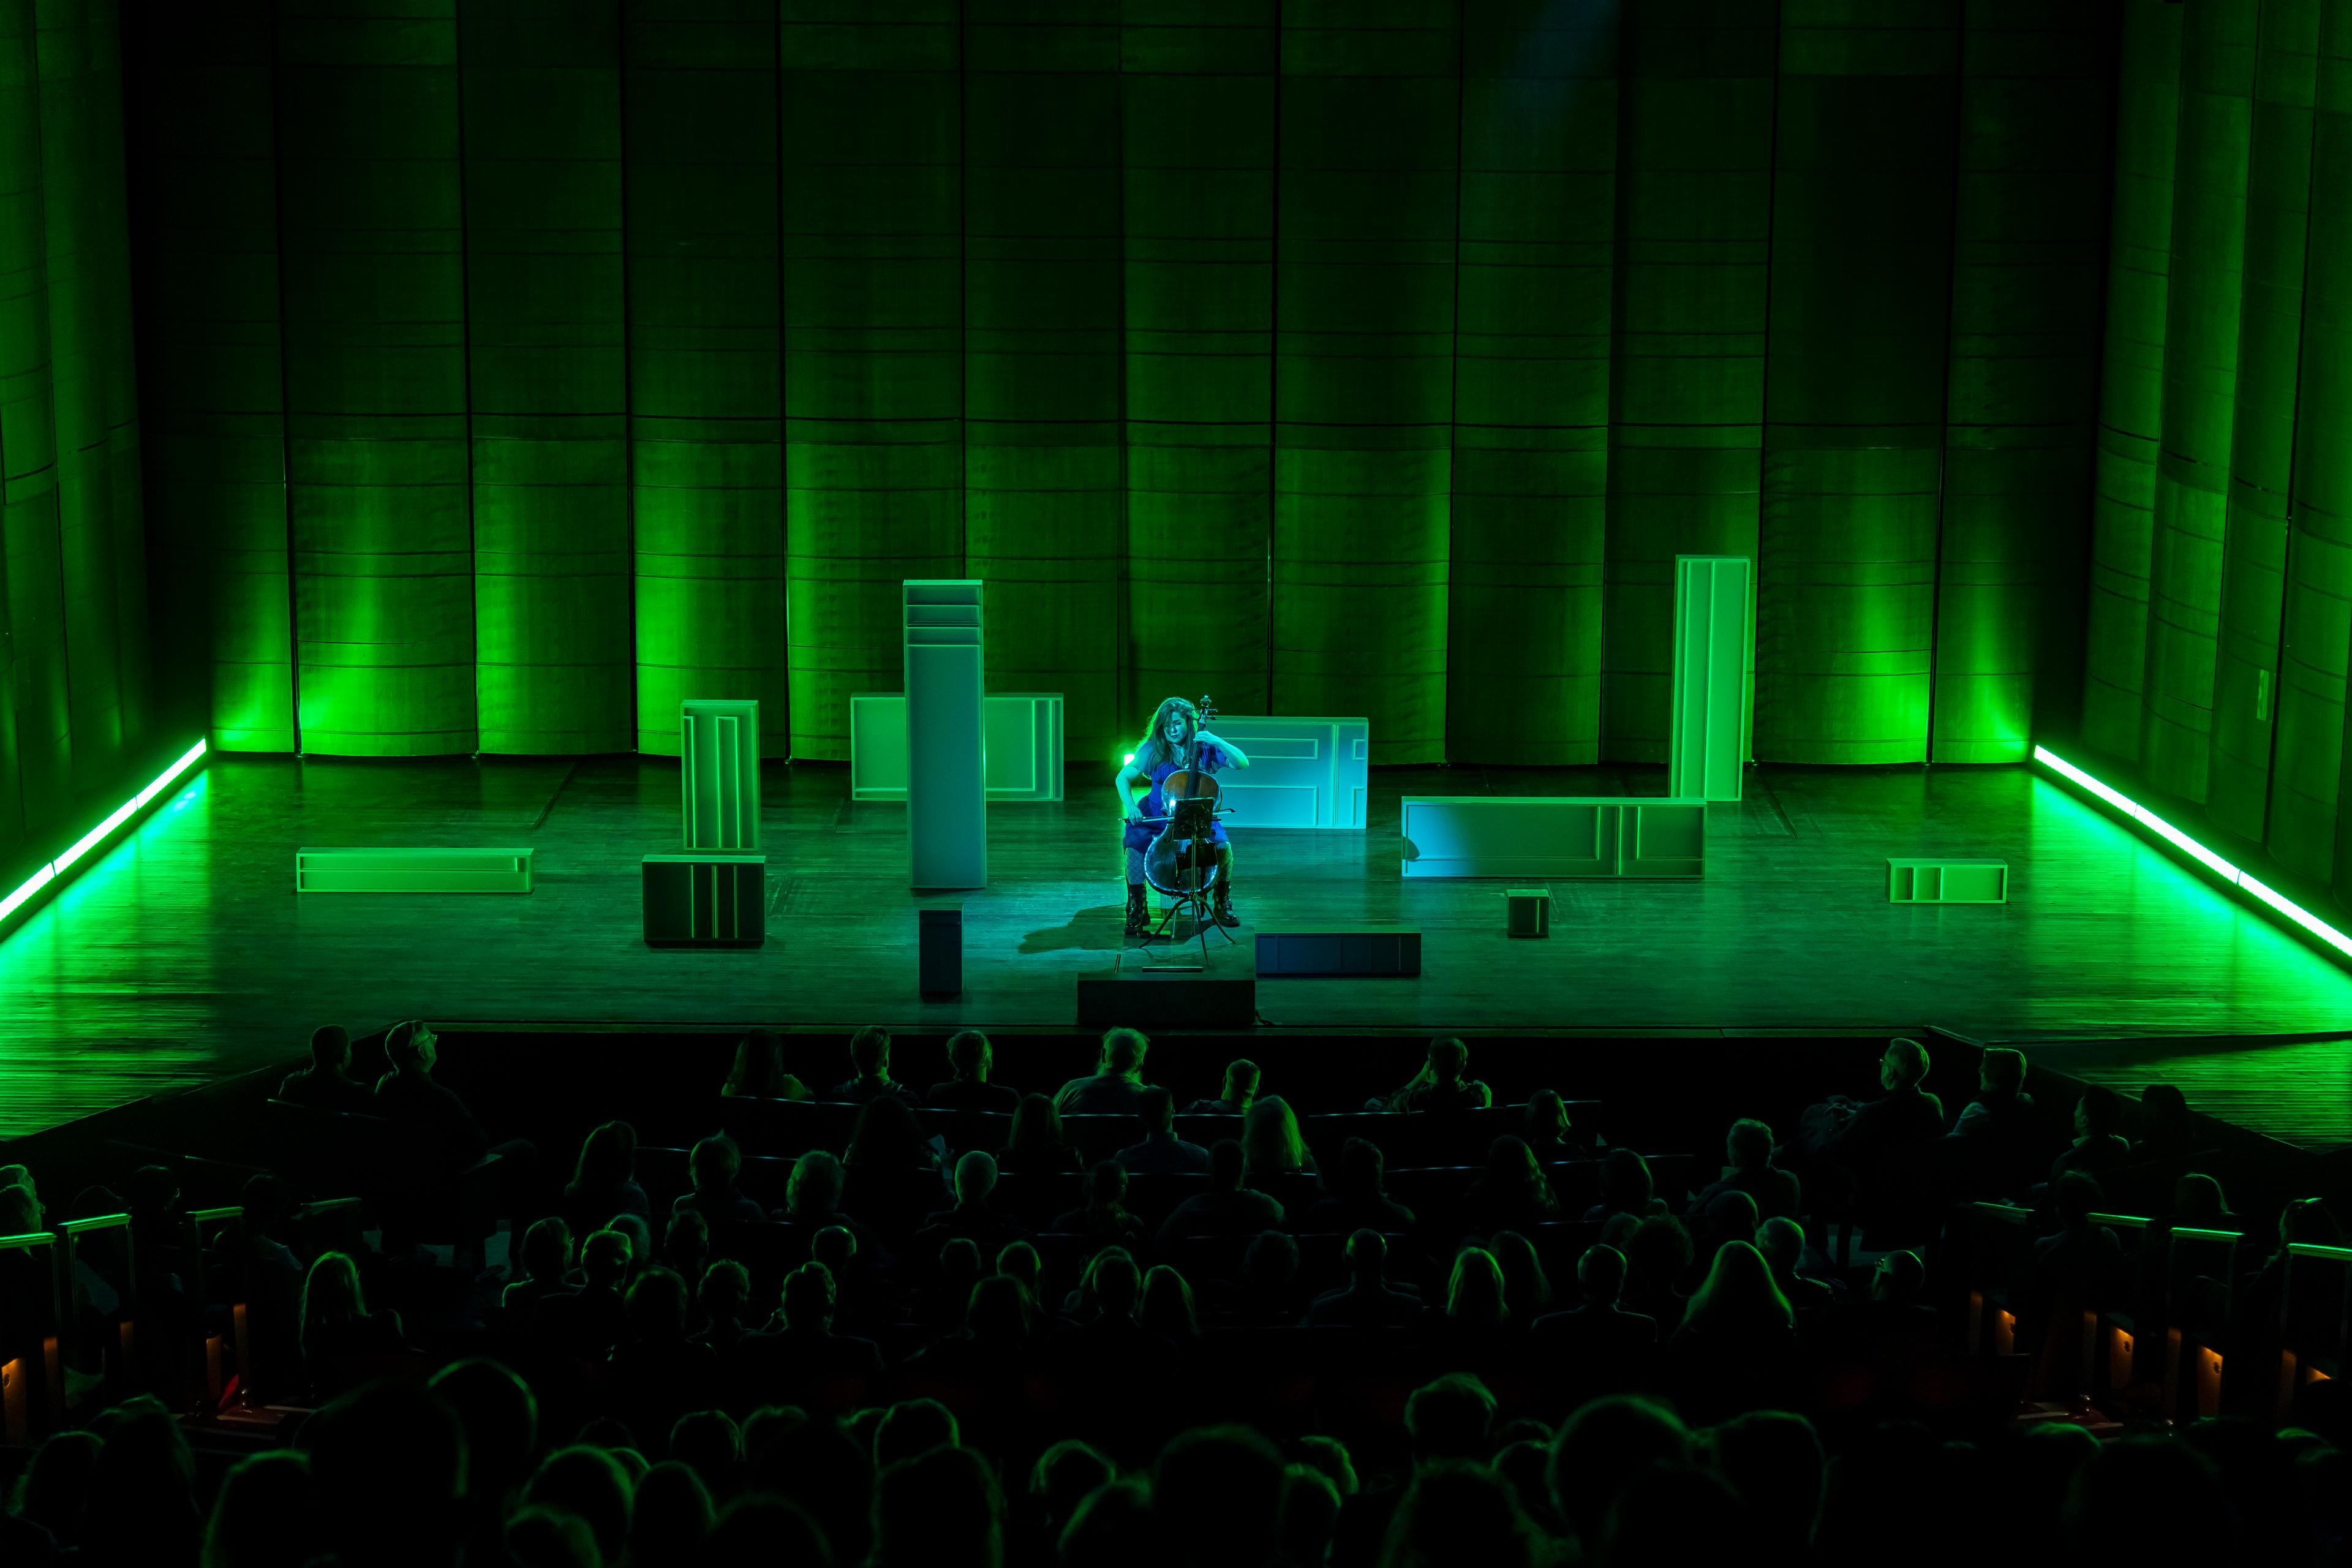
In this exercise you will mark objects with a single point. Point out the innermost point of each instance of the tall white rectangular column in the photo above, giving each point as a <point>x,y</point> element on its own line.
<point>718,755</point>
<point>1715,659</point>
<point>946,764</point>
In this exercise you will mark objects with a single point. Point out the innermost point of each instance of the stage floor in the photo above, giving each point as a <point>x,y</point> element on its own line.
<point>185,953</point>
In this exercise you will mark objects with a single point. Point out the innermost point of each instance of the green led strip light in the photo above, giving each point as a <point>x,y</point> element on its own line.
<point>2261,893</point>
<point>56,869</point>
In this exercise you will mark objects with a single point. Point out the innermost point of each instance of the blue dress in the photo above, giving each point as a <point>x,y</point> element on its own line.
<point>1140,835</point>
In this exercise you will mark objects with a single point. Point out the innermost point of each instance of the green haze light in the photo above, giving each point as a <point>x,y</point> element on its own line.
<point>2269,897</point>
<point>56,870</point>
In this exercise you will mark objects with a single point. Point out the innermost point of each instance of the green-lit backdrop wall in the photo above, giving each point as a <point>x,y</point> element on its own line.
<point>74,706</point>
<point>518,367</point>
<point>2220,576</point>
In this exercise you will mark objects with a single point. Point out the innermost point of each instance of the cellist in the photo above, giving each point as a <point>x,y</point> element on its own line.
<point>1175,726</point>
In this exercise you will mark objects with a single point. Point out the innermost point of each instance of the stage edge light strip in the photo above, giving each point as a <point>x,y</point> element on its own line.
<point>2261,893</point>
<point>97,835</point>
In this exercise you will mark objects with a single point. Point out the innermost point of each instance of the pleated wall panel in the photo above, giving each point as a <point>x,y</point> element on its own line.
<point>872,171</point>
<point>375,377</point>
<point>2201,369</point>
<point>2131,375</point>
<point>37,768</point>
<point>2304,832</point>
<point>1198,119</point>
<point>1363,367</point>
<point>706,435</point>
<point>1531,382</point>
<point>2261,441</point>
<point>101,535</point>
<point>548,383</point>
<point>2028,244</point>
<point>202,108</point>
<point>1686,388</point>
<point>1855,380</point>
<point>1045,489</point>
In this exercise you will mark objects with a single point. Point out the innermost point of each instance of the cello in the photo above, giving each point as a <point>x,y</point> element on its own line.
<point>1181,859</point>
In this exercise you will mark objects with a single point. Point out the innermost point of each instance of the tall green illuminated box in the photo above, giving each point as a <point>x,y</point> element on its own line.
<point>1714,666</point>
<point>705,899</point>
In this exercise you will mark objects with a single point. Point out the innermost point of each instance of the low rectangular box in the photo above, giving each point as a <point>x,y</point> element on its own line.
<point>706,900</point>
<point>444,870</point>
<point>1370,949</point>
<point>940,951</point>
<point>1543,839</point>
<point>1527,911</point>
<point>1919,881</point>
<point>1146,996</point>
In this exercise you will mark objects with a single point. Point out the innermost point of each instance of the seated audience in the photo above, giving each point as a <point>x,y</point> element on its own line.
<point>1116,1087</point>
<point>1368,1300</point>
<point>869,1079</point>
<point>1625,1188</point>
<point>408,1095</point>
<point>1268,1294</point>
<point>1227,1208</point>
<point>1358,1199</point>
<point>1781,1241</point>
<point>658,1374</point>
<point>1034,1144</point>
<point>972,1217</point>
<point>2165,1127</point>
<point>885,1137</point>
<point>1548,1132</point>
<point>719,1304</point>
<point>2002,1109</point>
<point>2197,1202</point>
<point>757,1072</point>
<point>1440,1084</point>
<point>2098,1147</point>
<point>1658,1254</point>
<point>1525,1285</point>
<point>345,1344</point>
<point>604,1180</point>
<point>1736,1349</point>
<point>1272,1146</point>
<point>1161,1152</point>
<point>583,1325</point>
<point>1748,1168</point>
<point>327,1083</point>
<point>970,1059</point>
<point>685,1244</point>
<point>546,1271</point>
<point>1105,1216</point>
<point>1600,1324</point>
<point>800,1361</point>
<point>1511,1193</point>
<point>713,1166</point>
<point>1239,1093</point>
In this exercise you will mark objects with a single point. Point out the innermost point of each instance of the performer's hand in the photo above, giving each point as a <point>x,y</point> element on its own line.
<point>1134,812</point>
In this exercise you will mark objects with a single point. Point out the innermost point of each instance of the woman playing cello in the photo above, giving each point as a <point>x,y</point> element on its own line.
<point>1175,728</point>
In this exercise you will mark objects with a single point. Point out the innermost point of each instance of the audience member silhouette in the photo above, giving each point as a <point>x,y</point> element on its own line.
<point>2099,1144</point>
<point>327,1083</point>
<point>970,1059</point>
<point>1227,1208</point>
<point>671,1518</point>
<point>408,1096</point>
<point>1601,1447</point>
<point>1272,1145</point>
<point>973,1217</point>
<point>941,1506</point>
<point>1625,1188</point>
<point>1460,1512</point>
<point>583,1325</point>
<point>1440,1085</point>
<point>1161,1151</point>
<point>1217,1496</point>
<point>1105,1216</point>
<point>1034,1142</point>
<point>1736,1349</point>
<point>757,1072</point>
<point>713,1166</point>
<point>1368,1300</point>
<point>263,1517</point>
<point>1548,1131</point>
<point>387,1477</point>
<point>592,1484</point>
<point>1116,1086</point>
<point>1748,1168</point>
<point>1239,1093</point>
<point>1511,1193</point>
<point>869,1078</point>
<point>604,1180</point>
<point>345,1344</point>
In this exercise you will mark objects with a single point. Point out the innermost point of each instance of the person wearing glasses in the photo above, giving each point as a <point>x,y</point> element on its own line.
<point>407,1094</point>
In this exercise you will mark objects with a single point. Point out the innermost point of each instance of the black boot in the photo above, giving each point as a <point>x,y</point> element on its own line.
<point>1139,913</point>
<point>1222,909</point>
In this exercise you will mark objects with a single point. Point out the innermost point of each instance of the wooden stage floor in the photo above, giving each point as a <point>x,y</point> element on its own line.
<point>185,953</point>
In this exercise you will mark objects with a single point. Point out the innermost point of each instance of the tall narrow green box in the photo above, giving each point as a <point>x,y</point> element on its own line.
<point>1528,911</point>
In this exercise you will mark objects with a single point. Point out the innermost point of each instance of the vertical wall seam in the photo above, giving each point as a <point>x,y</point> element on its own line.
<point>1454,359</point>
<point>1951,359</point>
<point>1274,354</point>
<point>628,366</point>
<point>465,378</point>
<point>285,382</point>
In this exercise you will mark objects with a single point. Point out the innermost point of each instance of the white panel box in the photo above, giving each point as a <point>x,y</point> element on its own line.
<point>947,800</point>
<point>719,763</point>
<point>1714,675</point>
<point>1910,882</point>
<point>439,870</point>
<point>1303,773</point>
<point>1535,839</point>
<point>1020,732</point>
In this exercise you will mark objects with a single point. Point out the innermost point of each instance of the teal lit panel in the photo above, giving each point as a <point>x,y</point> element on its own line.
<point>872,172</point>
<point>375,384</point>
<point>547,371</point>
<point>1531,382</point>
<point>2304,832</point>
<point>37,766</point>
<point>1854,439</point>
<point>706,433</point>
<point>2027,265</point>
<point>2131,376</point>
<point>1696,88</point>
<point>2261,441</point>
<point>2201,373</point>
<point>1043,492</point>
<point>101,535</point>
<point>205,185</point>
<point>1197,122</point>
<point>1363,367</point>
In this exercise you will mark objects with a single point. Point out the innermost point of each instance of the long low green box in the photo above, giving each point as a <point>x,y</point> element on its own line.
<point>412,871</point>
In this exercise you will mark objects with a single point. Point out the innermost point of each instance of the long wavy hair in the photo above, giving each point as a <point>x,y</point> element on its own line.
<point>1152,750</point>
